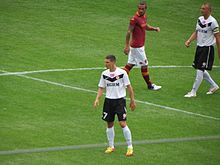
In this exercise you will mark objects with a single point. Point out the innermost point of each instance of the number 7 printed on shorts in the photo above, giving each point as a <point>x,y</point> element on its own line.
<point>105,115</point>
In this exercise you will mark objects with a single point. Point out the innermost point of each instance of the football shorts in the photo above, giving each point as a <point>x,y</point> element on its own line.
<point>137,56</point>
<point>204,58</point>
<point>114,107</point>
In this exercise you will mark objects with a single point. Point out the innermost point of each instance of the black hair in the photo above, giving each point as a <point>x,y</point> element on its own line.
<point>143,3</point>
<point>111,57</point>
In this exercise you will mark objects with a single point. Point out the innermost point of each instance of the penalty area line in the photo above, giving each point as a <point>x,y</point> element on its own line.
<point>138,101</point>
<point>90,146</point>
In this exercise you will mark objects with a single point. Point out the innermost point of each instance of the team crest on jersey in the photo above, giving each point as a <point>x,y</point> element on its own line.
<point>112,75</point>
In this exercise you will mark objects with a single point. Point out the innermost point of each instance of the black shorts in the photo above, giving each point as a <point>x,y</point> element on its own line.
<point>204,58</point>
<point>114,107</point>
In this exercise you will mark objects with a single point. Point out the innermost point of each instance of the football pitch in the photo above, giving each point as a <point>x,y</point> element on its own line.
<point>51,57</point>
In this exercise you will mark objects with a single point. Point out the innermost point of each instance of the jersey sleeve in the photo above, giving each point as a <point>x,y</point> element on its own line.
<point>126,79</point>
<point>133,21</point>
<point>215,27</point>
<point>102,83</point>
<point>197,26</point>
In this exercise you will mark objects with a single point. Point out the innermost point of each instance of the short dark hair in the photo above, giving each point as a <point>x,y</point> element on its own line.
<point>111,57</point>
<point>143,3</point>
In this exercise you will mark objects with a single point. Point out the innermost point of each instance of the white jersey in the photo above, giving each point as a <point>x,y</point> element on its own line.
<point>115,83</point>
<point>206,28</point>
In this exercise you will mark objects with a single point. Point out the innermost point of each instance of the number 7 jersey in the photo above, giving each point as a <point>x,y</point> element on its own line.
<point>115,83</point>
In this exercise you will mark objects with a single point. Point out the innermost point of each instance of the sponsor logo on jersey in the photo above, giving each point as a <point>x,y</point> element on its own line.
<point>112,84</point>
<point>202,31</point>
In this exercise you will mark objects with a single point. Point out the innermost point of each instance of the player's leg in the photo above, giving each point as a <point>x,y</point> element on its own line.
<point>108,116</point>
<point>128,137</point>
<point>110,132</point>
<point>198,80</point>
<point>196,84</point>
<point>141,60</point>
<point>146,76</point>
<point>214,87</point>
<point>128,68</point>
<point>198,64</point>
<point>122,117</point>
<point>131,61</point>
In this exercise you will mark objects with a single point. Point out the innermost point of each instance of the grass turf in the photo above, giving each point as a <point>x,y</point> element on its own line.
<point>74,34</point>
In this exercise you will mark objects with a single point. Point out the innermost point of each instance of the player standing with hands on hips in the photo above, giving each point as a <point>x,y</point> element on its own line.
<point>134,48</point>
<point>115,81</point>
<point>206,35</point>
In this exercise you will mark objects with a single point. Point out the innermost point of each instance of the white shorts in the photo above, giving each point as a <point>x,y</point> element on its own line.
<point>137,56</point>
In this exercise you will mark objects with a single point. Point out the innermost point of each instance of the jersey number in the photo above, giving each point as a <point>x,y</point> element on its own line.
<point>105,115</point>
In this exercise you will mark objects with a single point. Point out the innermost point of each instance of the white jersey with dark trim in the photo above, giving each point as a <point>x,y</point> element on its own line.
<point>206,28</point>
<point>115,83</point>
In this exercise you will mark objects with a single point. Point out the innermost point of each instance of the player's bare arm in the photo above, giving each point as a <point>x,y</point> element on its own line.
<point>131,95</point>
<point>99,94</point>
<point>127,39</point>
<point>151,28</point>
<point>191,38</point>
<point>217,36</point>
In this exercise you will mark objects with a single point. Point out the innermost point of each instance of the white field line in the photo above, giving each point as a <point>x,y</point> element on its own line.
<point>138,101</point>
<point>78,69</point>
<point>48,70</point>
<point>90,146</point>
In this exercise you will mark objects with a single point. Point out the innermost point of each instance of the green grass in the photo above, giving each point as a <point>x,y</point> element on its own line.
<point>41,35</point>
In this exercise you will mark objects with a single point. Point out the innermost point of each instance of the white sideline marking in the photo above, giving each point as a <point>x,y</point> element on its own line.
<point>78,69</point>
<point>58,84</point>
<point>138,101</point>
<point>89,146</point>
<point>48,70</point>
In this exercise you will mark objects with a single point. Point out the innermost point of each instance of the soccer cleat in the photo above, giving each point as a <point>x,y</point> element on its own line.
<point>154,87</point>
<point>190,94</point>
<point>212,90</point>
<point>109,150</point>
<point>129,152</point>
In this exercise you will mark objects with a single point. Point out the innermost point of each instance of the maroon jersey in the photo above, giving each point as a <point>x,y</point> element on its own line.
<point>138,35</point>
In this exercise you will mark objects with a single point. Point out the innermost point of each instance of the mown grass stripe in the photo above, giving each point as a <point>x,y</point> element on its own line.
<point>90,146</point>
<point>143,102</point>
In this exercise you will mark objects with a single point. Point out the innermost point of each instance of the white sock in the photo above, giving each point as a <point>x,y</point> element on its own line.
<point>198,81</point>
<point>110,132</point>
<point>127,135</point>
<point>208,78</point>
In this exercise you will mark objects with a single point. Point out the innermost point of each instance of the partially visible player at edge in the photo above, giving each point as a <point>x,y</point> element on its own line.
<point>115,81</point>
<point>134,47</point>
<point>206,35</point>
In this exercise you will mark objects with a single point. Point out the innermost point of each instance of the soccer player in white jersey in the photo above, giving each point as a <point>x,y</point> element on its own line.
<point>115,81</point>
<point>206,35</point>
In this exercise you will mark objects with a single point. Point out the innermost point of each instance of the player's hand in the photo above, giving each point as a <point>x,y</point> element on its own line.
<point>96,103</point>
<point>187,43</point>
<point>157,29</point>
<point>132,105</point>
<point>126,50</point>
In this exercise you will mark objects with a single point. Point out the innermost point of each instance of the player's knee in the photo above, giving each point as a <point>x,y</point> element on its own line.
<point>123,124</point>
